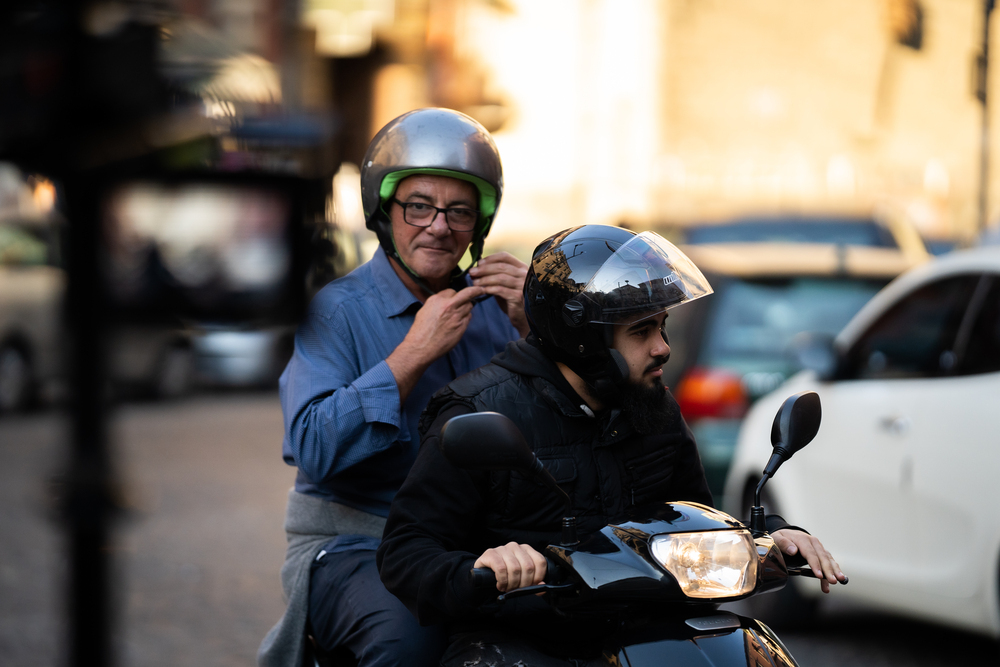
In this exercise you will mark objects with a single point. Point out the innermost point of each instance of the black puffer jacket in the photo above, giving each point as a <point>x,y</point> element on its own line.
<point>443,518</point>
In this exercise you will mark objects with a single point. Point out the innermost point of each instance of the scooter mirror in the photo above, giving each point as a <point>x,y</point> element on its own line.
<point>486,441</point>
<point>491,441</point>
<point>794,427</point>
<point>797,422</point>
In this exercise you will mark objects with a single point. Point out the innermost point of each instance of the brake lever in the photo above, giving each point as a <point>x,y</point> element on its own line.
<point>533,590</point>
<point>806,571</point>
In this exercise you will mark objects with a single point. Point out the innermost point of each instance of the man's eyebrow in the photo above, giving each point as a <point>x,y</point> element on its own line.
<point>641,325</point>
<point>649,321</point>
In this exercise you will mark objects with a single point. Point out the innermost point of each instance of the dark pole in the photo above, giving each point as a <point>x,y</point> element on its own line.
<point>89,498</point>
<point>982,93</point>
<point>55,99</point>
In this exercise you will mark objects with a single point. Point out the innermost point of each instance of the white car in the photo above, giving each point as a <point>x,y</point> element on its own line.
<point>902,483</point>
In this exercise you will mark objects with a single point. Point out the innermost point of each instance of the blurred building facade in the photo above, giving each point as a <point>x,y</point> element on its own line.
<point>656,111</point>
<point>683,111</point>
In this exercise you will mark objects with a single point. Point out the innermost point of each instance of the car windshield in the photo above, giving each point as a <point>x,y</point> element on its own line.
<point>755,321</point>
<point>847,231</point>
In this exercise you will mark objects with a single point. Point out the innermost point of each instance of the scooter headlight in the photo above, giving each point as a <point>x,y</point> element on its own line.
<point>715,564</point>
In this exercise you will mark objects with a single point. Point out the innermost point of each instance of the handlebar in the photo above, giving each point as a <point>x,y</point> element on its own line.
<point>798,566</point>
<point>806,571</point>
<point>483,578</point>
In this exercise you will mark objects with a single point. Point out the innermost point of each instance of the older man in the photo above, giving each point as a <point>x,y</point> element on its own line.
<point>375,345</point>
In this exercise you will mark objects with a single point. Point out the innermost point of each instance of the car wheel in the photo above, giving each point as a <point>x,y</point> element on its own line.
<point>176,370</point>
<point>788,608</point>
<point>15,379</point>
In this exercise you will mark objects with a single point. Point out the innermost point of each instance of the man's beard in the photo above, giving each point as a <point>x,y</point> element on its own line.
<point>645,405</point>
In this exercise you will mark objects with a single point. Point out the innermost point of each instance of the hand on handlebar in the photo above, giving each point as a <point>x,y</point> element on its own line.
<point>824,567</point>
<point>515,566</point>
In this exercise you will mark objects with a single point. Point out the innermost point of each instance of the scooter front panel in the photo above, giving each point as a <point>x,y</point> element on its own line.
<point>750,643</point>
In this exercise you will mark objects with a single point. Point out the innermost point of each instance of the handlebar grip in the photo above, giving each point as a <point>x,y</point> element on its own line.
<point>482,577</point>
<point>796,560</point>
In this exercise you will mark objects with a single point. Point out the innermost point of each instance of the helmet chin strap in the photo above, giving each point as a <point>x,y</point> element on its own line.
<point>602,373</point>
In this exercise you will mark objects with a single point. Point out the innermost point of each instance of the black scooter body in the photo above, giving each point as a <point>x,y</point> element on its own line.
<point>615,564</point>
<point>716,640</point>
<point>612,572</point>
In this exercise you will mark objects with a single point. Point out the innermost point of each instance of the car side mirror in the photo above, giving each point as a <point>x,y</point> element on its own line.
<point>794,427</point>
<point>491,441</point>
<point>816,352</point>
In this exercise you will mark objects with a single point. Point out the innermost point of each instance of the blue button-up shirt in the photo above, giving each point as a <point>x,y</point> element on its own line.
<point>345,429</point>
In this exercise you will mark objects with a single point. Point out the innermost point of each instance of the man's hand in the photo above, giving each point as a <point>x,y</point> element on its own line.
<point>502,275</point>
<point>437,327</point>
<point>823,565</point>
<point>515,566</point>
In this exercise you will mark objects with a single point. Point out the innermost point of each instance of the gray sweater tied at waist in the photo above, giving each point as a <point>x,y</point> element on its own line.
<point>310,522</point>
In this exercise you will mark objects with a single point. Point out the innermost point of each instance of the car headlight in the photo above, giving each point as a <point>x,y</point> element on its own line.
<point>709,565</point>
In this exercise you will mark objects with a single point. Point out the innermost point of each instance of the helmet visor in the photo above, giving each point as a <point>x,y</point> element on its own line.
<point>647,274</point>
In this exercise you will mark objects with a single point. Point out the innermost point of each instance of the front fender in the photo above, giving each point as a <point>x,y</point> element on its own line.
<point>708,641</point>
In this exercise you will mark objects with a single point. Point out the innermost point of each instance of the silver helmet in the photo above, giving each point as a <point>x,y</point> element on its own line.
<point>431,141</point>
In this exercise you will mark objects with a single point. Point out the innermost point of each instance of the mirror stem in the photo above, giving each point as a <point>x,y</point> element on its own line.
<point>757,524</point>
<point>568,531</point>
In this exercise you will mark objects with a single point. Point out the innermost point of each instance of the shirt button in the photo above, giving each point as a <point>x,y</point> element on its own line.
<point>614,433</point>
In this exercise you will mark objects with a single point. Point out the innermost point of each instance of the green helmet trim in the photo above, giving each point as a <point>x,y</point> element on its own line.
<point>487,193</point>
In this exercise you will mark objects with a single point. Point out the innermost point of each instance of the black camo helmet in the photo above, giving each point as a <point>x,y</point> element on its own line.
<point>583,281</point>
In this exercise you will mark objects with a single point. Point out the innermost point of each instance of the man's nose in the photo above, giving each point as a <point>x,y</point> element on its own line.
<point>439,224</point>
<point>661,349</point>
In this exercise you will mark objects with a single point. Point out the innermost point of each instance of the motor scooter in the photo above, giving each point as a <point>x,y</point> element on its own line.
<point>661,572</point>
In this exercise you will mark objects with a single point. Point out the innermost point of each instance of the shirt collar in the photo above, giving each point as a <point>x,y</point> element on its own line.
<point>395,296</point>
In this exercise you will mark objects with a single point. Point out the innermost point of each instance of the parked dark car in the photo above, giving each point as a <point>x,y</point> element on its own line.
<point>241,357</point>
<point>837,230</point>
<point>740,343</point>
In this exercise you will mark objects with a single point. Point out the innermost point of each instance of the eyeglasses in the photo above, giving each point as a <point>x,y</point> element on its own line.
<point>420,214</point>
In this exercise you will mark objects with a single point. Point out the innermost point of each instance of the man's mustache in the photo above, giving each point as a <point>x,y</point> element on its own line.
<point>657,362</point>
